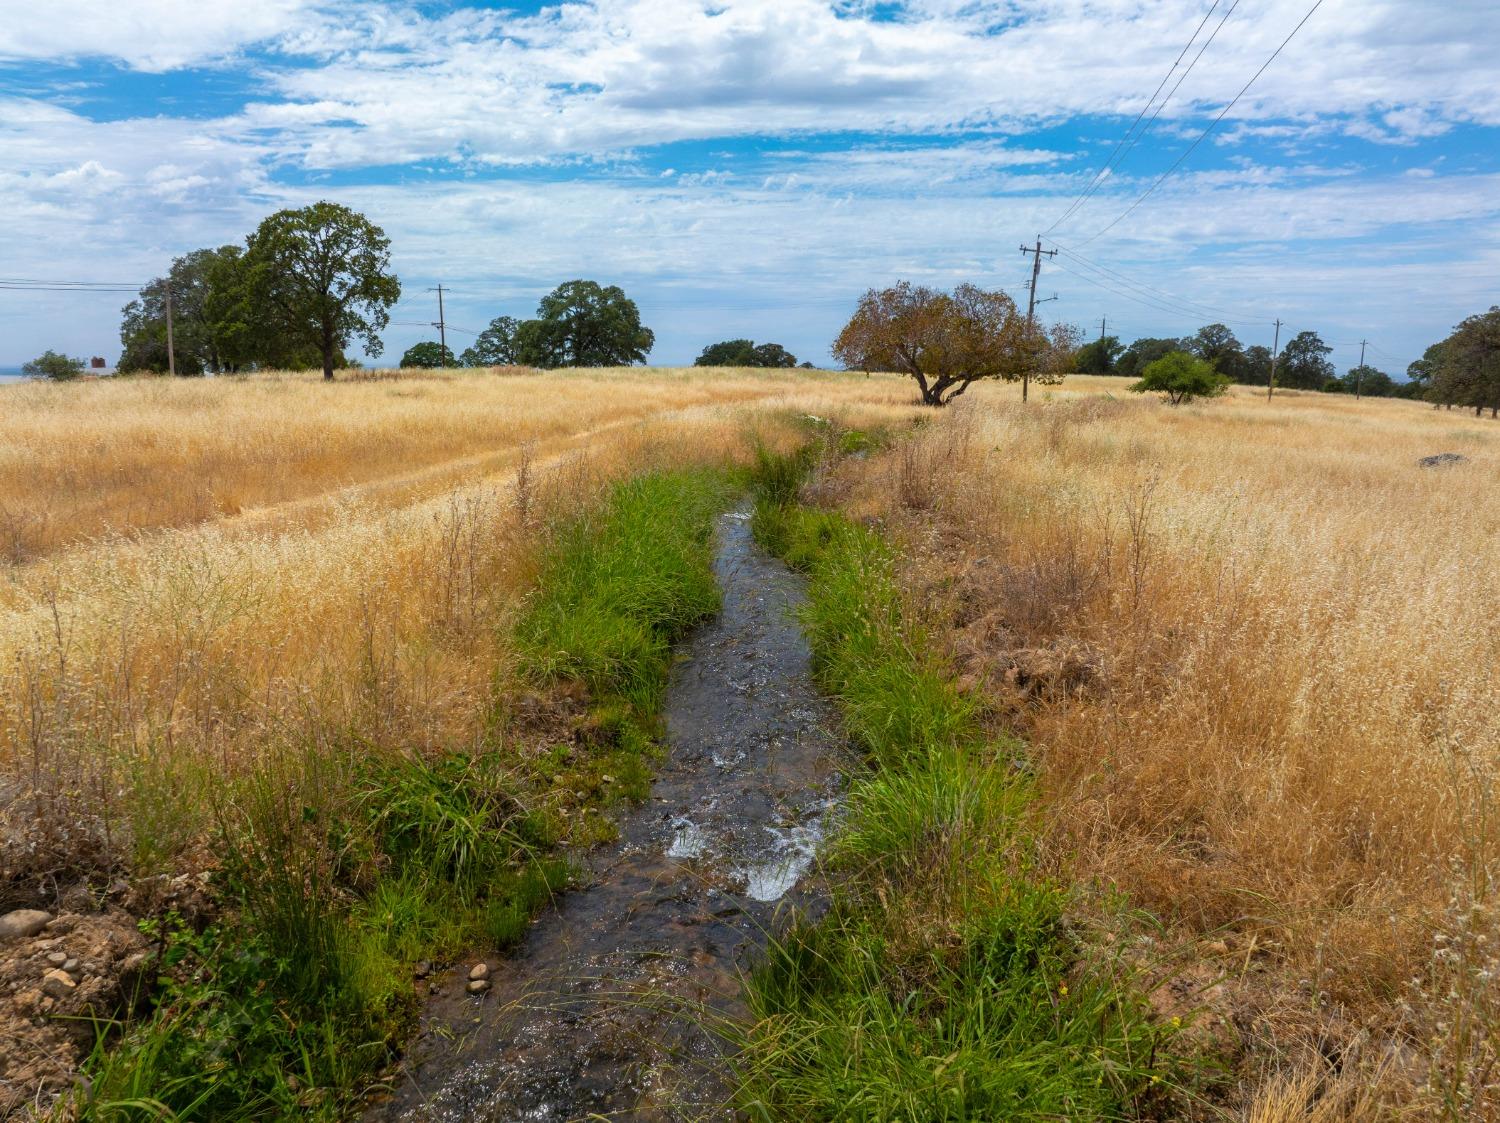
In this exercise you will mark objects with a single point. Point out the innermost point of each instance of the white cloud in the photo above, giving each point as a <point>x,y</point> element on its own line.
<point>152,35</point>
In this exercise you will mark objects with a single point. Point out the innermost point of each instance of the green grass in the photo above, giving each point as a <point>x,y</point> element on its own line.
<point>343,864</point>
<point>944,982</point>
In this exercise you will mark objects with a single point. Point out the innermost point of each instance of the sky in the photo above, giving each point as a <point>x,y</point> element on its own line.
<point>747,168</point>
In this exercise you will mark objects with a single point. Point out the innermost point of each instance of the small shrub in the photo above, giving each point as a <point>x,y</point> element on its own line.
<point>1181,377</point>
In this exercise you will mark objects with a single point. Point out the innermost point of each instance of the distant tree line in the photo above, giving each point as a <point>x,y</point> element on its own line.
<point>1302,365</point>
<point>746,353</point>
<point>310,282</point>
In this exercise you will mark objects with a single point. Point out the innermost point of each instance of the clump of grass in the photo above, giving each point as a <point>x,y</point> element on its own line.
<point>617,589</point>
<point>943,983</point>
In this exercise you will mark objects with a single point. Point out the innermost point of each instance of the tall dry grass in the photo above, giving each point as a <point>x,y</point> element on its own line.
<point>84,460</point>
<point>143,669</point>
<point>1250,645</point>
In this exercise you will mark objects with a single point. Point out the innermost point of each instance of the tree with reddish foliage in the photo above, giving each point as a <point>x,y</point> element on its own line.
<point>949,341</point>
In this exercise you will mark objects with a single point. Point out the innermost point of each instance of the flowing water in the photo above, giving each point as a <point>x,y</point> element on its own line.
<point>600,1013</point>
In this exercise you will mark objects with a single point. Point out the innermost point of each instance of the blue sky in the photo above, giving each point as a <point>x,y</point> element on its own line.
<point>748,168</point>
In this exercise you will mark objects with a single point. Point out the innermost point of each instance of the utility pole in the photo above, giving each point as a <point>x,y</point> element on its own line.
<point>1102,321</point>
<point>1359,371</point>
<point>1275,354</point>
<point>441,325</point>
<point>171,348</point>
<point>1036,268</point>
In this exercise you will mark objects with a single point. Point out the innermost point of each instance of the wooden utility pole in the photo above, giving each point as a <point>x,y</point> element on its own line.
<point>441,325</point>
<point>171,347</point>
<point>1275,354</point>
<point>1359,371</point>
<point>1102,321</point>
<point>1036,268</point>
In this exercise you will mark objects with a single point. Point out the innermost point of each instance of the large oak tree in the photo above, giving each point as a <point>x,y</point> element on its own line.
<point>949,341</point>
<point>321,275</point>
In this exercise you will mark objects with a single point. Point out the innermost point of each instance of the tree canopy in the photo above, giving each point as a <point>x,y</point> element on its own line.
<point>1142,353</point>
<point>1468,365</point>
<point>206,331</point>
<point>1098,356</point>
<point>745,353</point>
<point>1181,377</point>
<point>948,341</point>
<point>1368,382</point>
<point>1217,345</point>
<point>1303,363</point>
<point>51,365</point>
<point>584,324</point>
<point>495,346</point>
<point>428,353</point>
<point>320,275</point>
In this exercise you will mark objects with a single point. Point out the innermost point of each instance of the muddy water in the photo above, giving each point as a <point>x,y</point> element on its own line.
<point>599,1012</point>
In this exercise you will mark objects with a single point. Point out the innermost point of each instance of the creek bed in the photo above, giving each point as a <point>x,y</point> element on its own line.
<point>602,1009</point>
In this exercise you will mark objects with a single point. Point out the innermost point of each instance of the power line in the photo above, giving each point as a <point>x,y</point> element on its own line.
<point>1211,126</point>
<point>1103,172</point>
<point>1197,307</point>
<point>11,286</point>
<point>1127,294</point>
<point>1142,293</point>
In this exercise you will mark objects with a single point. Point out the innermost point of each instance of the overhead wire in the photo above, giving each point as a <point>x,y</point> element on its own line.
<point>1132,138</point>
<point>1204,134</point>
<point>1183,304</point>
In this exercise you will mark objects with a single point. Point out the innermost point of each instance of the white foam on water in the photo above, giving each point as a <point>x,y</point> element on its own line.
<point>794,850</point>
<point>688,839</point>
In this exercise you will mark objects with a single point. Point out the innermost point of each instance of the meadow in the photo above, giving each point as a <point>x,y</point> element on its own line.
<point>1242,645</point>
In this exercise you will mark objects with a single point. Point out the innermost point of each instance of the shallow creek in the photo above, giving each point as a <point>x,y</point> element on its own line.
<point>600,1013</point>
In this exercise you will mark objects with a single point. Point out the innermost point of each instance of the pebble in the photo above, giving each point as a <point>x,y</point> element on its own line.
<point>423,969</point>
<point>21,923</point>
<point>71,966</point>
<point>58,984</point>
<point>479,971</point>
<point>57,958</point>
<point>478,986</point>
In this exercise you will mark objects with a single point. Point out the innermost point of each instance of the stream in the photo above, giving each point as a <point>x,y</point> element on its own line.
<point>600,1011</point>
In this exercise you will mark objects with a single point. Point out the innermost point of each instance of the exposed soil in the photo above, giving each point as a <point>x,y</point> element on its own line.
<point>53,984</point>
<point>606,1009</point>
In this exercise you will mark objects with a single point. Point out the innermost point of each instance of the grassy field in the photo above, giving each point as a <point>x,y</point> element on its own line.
<point>1243,646</point>
<point>1243,643</point>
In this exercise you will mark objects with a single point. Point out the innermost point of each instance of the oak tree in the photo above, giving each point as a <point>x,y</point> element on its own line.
<point>495,346</point>
<point>584,324</point>
<point>428,354</point>
<point>321,275</point>
<point>949,341</point>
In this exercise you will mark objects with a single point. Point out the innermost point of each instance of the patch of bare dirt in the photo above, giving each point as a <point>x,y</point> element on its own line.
<point>78,968</point>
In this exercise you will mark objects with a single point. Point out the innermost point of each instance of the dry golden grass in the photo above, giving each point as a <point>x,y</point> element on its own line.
<point>79,461</point>
<point>140,669</point>
<point>1248,641</point>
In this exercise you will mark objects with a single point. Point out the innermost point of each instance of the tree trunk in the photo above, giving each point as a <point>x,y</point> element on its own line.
<point>327,356</point>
